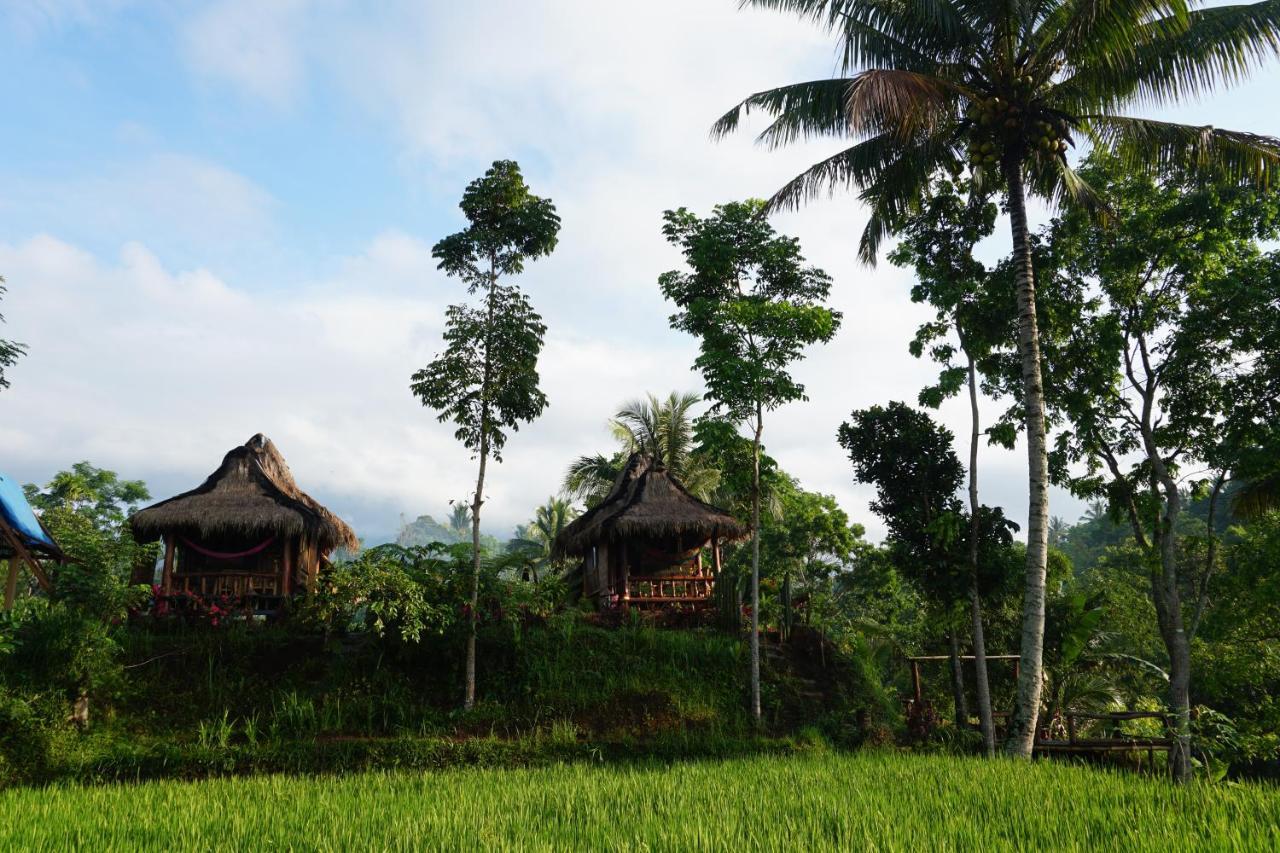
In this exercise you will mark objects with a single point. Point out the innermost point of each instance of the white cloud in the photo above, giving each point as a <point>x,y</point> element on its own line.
<point>252,44</point>
<point>608,108</point>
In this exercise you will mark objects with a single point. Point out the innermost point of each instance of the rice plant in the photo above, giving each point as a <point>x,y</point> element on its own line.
<point>868,800</point>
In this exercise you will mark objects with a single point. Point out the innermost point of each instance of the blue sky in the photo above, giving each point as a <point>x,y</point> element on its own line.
<point>216,219</point>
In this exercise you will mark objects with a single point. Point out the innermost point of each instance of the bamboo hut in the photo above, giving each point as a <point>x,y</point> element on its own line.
<point>642,546</point>
<point>248,530</point>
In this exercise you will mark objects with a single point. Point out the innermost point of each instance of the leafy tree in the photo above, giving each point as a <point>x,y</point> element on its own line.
<point>910,460</point>
<point>937,242</point>
<point>96,493</point>
<point>1158,380</point>
<point>1007,89</point>
<point>754,306</point>
<point>662,429</point>
<point>486,381</point>
<point>9,350</point>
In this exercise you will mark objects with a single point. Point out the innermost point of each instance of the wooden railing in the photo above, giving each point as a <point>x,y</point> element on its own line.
<point>240,584</point>
<point>670,589</point>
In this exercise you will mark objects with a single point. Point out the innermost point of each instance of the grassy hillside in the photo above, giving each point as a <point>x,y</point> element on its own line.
<point>196,703</point>
<point>884,800</point>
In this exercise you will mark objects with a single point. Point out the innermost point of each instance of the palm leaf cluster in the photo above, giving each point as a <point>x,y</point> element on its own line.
<point>1011,85</point>
<point>659,428</point>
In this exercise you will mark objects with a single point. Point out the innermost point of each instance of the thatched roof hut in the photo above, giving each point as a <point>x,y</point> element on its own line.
<point>251,497</point>
<point>647,501</point>
<point>649,521</point>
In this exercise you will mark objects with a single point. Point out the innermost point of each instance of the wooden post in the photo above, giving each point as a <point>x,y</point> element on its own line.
<point>11,583</point>
<point>286,580</point>
<point>915,680</point>
<point>166,576</point>
<point>626,574</point>
<point>715,554</point>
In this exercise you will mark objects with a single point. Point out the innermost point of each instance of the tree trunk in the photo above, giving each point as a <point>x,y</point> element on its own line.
<point>982,686</point>
<point>469,699</point>
<point>1022,727</point>
<point>1168,601</point>
<point>473,617</point>
<point>755,569</point>
<point>957,681</point>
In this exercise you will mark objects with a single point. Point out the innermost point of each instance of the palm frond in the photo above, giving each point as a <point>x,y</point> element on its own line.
<point>1052,178</point>
<point>1176,57</point>
<point>801,111</point>
<point>1257,497</point>
<point>1153,146</point>
<point>913,35</point>
<point>904,104</point>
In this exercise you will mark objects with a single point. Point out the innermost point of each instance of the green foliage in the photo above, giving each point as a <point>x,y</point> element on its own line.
<point>750,300</point>
<point>9,350</point>
<point>94,493</point>
<point>393,591</point>
<point>486,380</point>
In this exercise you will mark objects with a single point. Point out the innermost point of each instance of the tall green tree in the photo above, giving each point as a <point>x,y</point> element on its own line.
<point>754,305</point>
<point>1008,88</point>
<point>486,380</point>
<point>937,241</point>
<point>1157,385</point>
<point>9,350</point>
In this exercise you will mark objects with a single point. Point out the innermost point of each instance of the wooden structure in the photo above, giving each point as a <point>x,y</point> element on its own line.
<point>642,546</point>
<point>24,541</point>
<point>1069,733</point>
<point>248,531</point>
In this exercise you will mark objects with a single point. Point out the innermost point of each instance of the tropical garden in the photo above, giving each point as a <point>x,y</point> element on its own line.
<point>1129,342</point>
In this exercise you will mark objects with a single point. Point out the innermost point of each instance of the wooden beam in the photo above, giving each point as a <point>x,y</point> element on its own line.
<point>11,583</point>
<point>21,552</point>
<point>915,680</point>
<point>626,572</point>
<point>166,574</point>
<point>286,580</point>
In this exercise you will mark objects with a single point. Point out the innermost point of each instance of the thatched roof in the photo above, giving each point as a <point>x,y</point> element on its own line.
<point>253,494</point>
<point>647,502</point>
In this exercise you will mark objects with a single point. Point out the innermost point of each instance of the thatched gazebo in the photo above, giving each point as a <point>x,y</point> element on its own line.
<point>642,546</point>
<point>248,530</point>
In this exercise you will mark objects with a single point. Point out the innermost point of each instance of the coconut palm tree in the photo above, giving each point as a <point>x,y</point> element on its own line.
<point>661,429</point>
<point>537,538</point>
<point>1008,88</point>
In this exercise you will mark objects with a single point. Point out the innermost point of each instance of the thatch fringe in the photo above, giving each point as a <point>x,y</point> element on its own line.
<point>252,494</point>
<point>647,501</point>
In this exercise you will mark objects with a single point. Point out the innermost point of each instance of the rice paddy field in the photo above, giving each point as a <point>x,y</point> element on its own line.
<point>870,800</point>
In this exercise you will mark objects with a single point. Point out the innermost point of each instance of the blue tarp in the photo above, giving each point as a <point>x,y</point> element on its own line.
<point>16,511</point>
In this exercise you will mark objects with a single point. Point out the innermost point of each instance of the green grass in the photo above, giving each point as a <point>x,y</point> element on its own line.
<point>869,800</point>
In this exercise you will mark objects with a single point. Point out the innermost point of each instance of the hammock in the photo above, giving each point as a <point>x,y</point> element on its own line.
<point>227,555</point>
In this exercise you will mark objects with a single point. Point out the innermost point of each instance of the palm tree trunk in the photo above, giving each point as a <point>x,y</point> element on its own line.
<point>983,686</point>
<point>755,569</point>
<point>1022,727</point>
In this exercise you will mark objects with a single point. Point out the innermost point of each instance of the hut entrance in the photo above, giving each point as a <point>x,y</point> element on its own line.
<point>644,545</point>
